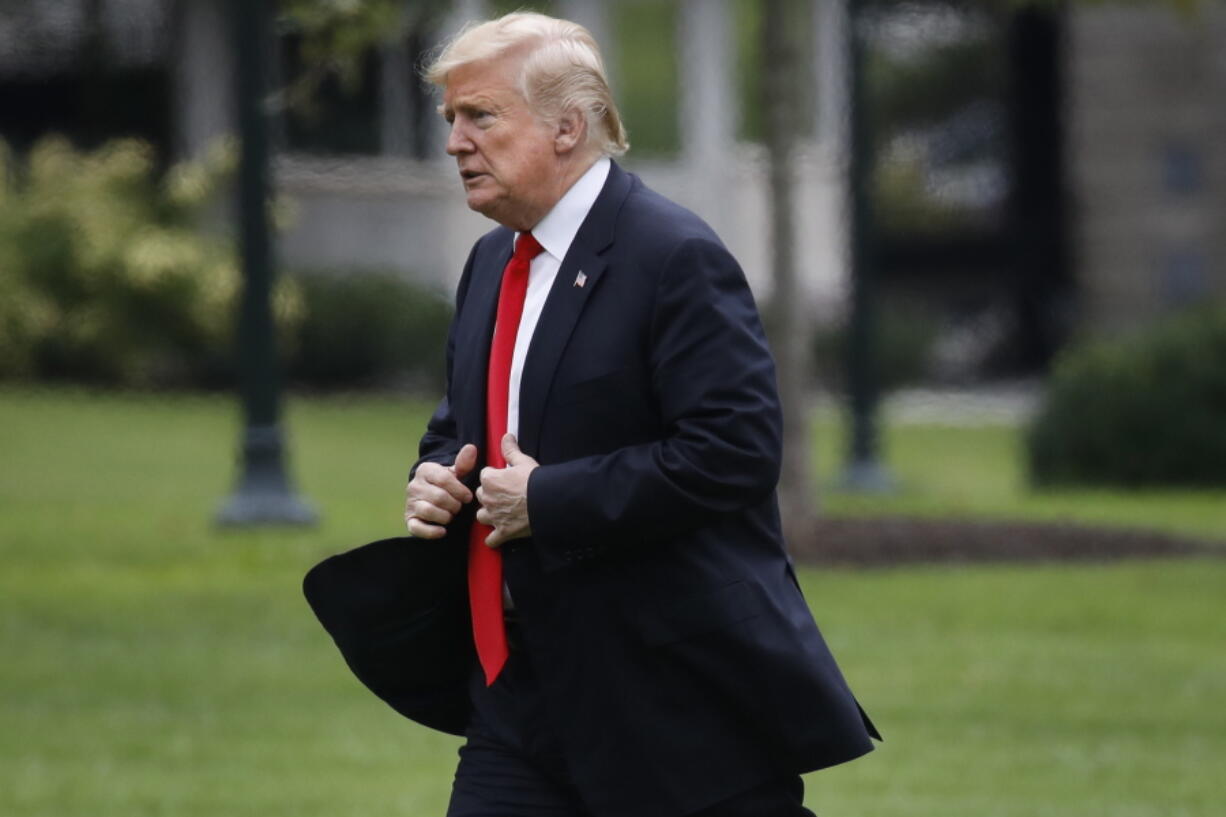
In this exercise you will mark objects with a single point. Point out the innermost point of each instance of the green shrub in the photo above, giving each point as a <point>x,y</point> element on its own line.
<point>1149,409</point>
<point>107,276</point>
<point>362,328</point>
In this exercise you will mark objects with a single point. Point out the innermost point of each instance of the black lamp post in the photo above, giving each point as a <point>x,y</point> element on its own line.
<point>264,495</point>
<point>864,472</point>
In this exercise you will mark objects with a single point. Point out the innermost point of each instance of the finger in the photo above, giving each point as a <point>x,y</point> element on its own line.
<point>425,473</point>
<point>445,479</point>
<point>424,530</point>
<point>485,517</point>
<point>510,450</point>
<point>487,477</point>
<point>436,496</point>
<point>429,513</point>
<point>480,495</point>
<point>465,461</point>
<point>495,539</point>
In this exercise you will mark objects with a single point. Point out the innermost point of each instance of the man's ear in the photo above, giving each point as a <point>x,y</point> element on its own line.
<point>570,132</point>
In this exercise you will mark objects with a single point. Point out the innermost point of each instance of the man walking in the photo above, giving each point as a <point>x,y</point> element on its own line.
<point>607,451</point>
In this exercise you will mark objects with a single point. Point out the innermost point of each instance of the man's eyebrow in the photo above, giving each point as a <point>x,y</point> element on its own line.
<point>469,103</point>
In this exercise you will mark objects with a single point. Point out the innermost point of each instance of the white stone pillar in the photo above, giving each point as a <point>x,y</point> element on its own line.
<point>825,239</point>
<point>462,11</point>
<point>395,99</point>
<point>707,107</point>
<point>594,16</point>
<point>203,77</point>
<point>831,63</point>
<point>707,110</point>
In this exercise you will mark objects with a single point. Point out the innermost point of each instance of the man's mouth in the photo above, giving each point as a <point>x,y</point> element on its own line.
<point>469,175</point>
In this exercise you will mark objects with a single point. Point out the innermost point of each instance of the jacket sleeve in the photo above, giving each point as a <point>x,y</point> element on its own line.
<point>441,441</point>
<point>714,382</point>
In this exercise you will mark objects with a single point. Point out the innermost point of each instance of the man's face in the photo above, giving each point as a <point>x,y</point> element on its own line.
<point>506,155</point>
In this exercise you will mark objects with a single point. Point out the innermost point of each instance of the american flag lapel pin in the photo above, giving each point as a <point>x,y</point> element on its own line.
<point>580,279</point>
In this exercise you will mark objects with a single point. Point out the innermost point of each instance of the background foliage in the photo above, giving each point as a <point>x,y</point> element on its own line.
<point>366,328</point>
<point>110,276</point>
<point>107,275</point>
<point>1145,409</point>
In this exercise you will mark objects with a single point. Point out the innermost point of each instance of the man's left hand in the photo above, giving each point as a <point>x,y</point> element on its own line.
<point>504,495</point>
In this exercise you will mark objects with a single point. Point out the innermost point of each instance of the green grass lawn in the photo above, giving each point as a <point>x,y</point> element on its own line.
<point>154,666</point>
<point>979,471</point>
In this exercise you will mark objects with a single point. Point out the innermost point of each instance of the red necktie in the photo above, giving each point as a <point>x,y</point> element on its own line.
<point>485,563</point>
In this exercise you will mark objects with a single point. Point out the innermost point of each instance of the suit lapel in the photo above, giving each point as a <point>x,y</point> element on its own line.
<point>561,313</point>
<point>565,303</point>
<point>472,348</point>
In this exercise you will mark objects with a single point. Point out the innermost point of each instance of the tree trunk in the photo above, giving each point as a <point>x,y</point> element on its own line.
<point>786,316</point>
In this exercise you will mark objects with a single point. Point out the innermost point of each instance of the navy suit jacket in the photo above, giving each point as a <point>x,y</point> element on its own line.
<point>660,611</point>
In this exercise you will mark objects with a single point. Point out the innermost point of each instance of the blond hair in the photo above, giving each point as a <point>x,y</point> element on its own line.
<point>561,71</point>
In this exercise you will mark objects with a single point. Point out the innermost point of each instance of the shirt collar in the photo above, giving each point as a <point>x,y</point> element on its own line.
<point>557,230</point>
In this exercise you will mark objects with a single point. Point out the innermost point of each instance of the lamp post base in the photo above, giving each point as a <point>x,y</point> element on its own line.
<point>867,477</point>
<point>250,508</point>
<point>264,495</point>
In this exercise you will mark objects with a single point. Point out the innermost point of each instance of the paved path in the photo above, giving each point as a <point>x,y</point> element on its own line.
<point>1009,403</point>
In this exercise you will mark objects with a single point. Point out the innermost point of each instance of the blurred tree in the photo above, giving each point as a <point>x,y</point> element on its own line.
<point>789,328</point>
<point>748,17</point>
<point>106,278</point>
<point>336,36</point>
<point>342,64</point>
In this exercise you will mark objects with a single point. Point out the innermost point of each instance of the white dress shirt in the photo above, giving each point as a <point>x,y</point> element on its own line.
<point>554,233</point>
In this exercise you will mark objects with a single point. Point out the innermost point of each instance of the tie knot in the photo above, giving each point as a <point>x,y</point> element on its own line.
<point>527,247</point>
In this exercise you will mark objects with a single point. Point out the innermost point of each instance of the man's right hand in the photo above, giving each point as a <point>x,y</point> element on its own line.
<point>435,494</point>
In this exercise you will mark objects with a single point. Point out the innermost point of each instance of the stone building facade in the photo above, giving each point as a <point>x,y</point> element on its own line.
<point>1146,149</point>
<point>1144,144</point>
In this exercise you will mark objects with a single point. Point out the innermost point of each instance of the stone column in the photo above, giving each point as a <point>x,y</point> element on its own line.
<point>203,77</point>
<point>395,99</point>
<point>707,105</point>
<point>462,11</point>
<point>594,16</point>
<point>830,63</point>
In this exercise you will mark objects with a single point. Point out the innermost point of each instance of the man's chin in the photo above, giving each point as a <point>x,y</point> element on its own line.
<point>484,205</point>
<point>476,201</point>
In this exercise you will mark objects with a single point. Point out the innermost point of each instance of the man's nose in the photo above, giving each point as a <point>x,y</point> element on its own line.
<point>457,140</point>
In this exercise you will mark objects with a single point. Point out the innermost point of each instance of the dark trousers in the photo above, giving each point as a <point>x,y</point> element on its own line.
<point>512,766</point>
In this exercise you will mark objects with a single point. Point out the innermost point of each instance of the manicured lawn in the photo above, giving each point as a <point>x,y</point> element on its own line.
<point>1027,691</point>
<point>154,666</point>
<point>979,471</point>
